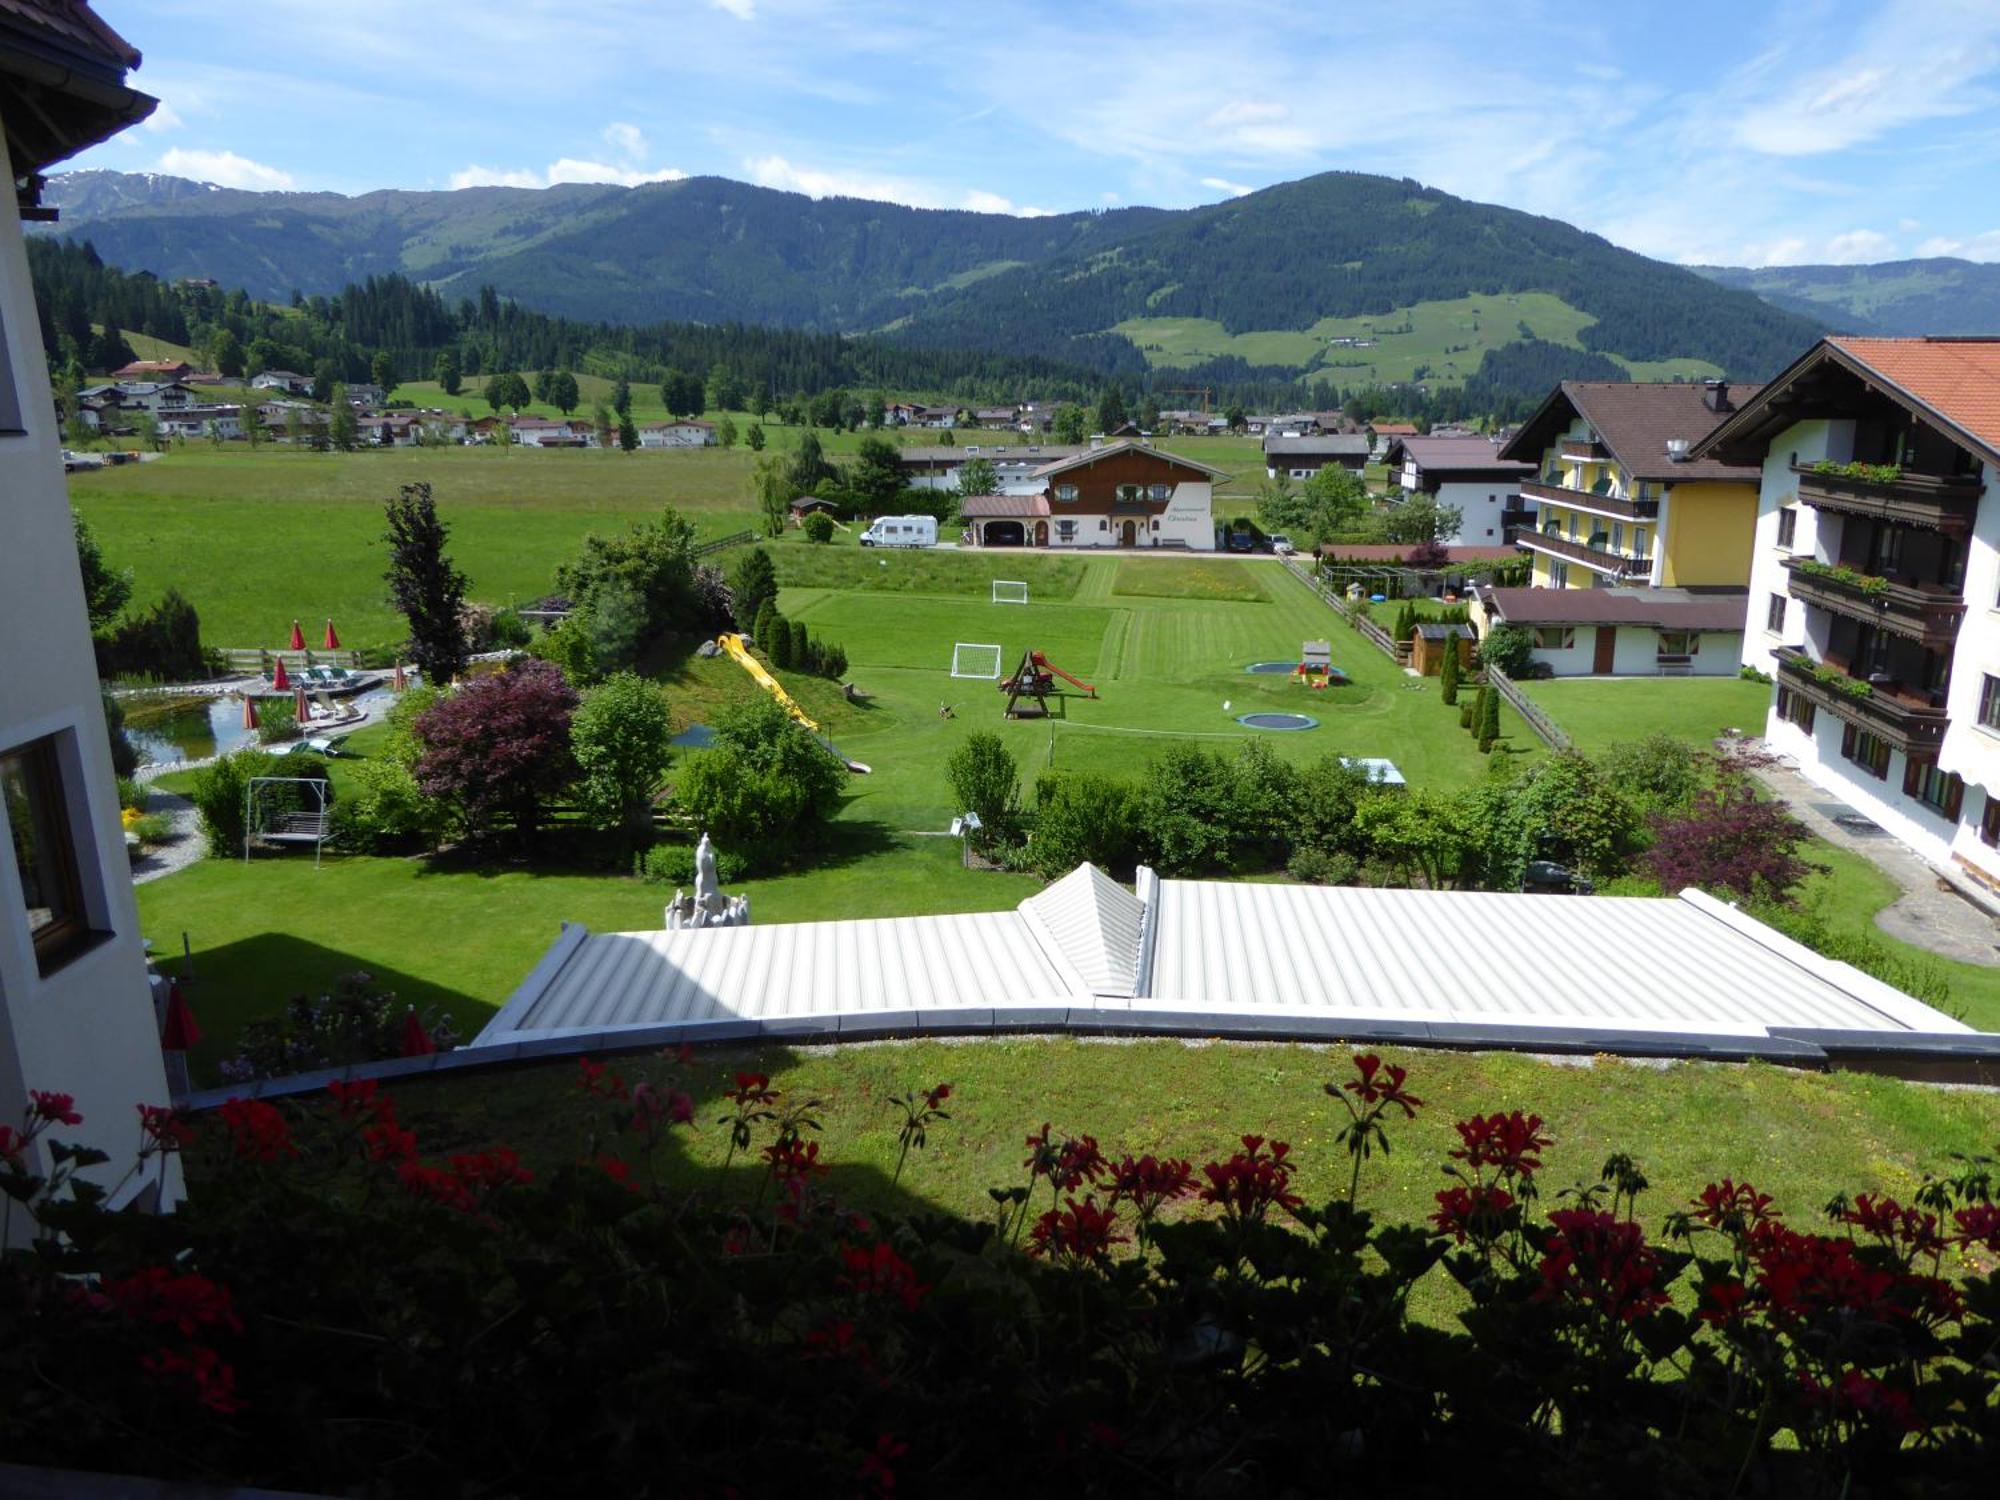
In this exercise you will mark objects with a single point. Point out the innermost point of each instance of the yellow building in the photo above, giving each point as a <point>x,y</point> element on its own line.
<point>1618,502</point>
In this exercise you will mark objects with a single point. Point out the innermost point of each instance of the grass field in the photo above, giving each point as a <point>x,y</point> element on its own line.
<point>1600,711</point>
<point>1441,341</point>
<point>1797,1135</point>
<point>1188,578</point>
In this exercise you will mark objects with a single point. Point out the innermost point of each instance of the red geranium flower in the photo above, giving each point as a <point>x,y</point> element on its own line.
<point>596,1078</point>
<point>752,1088</point>
<point>485,1170</point>
<point>211,1378</point>
<point>1734,1206</point>
<point>618,1171</point>
<point>1078,1234</point>
<point>389,1141</point>
<point>1722,1301</point>
<point>1978,1225</point>
<point>878,1468</point>
<point>1888,1220</point>
<point>1379,1083</point>
<point>1858,1394</point>
<point>353,1099</point>
<point>881,1271</point>
<point>164,1128</point>
<point>187,1300</point>
<point>12,1143</point>
<point>434,1184</point>
<point>1472,1212</point>
<point>1602,1262</point>
<point>54,1109</point>
<point>1253,1181</point>
<point>794,1158</point>
<point>1510,1143</point>
<point>257,1131</point>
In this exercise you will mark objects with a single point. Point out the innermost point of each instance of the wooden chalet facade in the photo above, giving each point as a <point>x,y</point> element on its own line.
<point>1120,495</point>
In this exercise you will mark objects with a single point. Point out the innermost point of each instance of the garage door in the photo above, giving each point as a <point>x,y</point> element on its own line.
<point>1003,534</point>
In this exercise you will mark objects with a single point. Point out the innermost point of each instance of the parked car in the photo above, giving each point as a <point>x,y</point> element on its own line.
<point>1241,541</point>
<point>901,531</point>
<point>1282,544</point>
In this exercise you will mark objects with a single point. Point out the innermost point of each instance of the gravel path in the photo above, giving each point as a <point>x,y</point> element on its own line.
<point>183,846</point>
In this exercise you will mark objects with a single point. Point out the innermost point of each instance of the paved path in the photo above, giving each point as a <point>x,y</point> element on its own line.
<point>1930,914</point>
<point>183,846</point>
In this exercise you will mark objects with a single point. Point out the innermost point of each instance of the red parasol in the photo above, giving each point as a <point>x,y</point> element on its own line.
<point>332,640</point>
<point>416,1041</point>
<point>299,707</point>
<point>179,1034</point>
<point>298,637</point>
<point>249,712</point>
<point>281,679</point>
<point>402,680</point>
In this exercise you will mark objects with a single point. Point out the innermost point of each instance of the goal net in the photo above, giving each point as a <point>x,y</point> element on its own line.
<point>972,660</point>
<point>1006,591</point>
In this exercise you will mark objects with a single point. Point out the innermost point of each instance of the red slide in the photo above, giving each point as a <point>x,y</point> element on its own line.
<point>1048,666</point>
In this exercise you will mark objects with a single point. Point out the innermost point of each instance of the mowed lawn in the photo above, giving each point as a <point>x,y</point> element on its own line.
<point>1602,711</point>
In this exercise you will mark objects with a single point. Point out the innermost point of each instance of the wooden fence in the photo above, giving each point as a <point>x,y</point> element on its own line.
<point>1548,729</point>
<point>721,543</point>
<point>246,659</point>
<point>1398,652</point>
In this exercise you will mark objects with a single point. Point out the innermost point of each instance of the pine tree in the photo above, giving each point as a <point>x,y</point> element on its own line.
<point>766,632</point>
<point>621,397</point>
<point>1448,673</point>
<point>1489,722</point>
<point>628,435</point>
<point>800,653</point>
<point>424,584</point>
<point>781,642</point>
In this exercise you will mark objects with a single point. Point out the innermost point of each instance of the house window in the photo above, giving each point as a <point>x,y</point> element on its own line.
<point>1788,526</point>
<point>1555,637</point>
<point>1774,616</point>
<point>1162,491</point>
<point>1678,645</point>
<point>1866,751</point>
<point>1940,791</point>
<point>1796,709</point>
<point>1989,821</point>
<point>1065,531</point>
<point>31,786</point>
<point>1989,702</point>
<point>1558,575</point>
<point>1065,492</point>
<point>1103,525</point>
<point>1128,494</point>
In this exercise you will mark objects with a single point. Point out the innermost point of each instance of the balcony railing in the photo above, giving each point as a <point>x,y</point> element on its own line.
<point>1618,564</point>
<point>1905,717</point>
<point>1603,505</point>
<point>1589,451</point>
<point>1930,500</point>
<point>1928,613</point>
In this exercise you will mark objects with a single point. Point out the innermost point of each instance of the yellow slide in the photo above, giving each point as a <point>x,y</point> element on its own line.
<point>735,646</point>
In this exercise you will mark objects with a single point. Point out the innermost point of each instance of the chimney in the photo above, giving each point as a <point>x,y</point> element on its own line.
<point>1717,398</point>
<point>1097,440</point>
<point>1677,449</point>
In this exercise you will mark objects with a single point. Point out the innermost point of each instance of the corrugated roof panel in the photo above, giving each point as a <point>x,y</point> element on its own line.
<point>1090,923</point>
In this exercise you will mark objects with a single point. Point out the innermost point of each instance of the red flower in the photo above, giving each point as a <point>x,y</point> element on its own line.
<point>752,1088</point>
<point>1067,1166</point>
<point>53,1109</point>
<point>164,1128</point>
<point>938,1095</point>
<point>1734,1206</point>
<point>1722,1301</point>
<point>1252,1182</point>
<point>1858,1394</point>
<point>353,1099</point>
<point>213,1380</point>
<point>12,1143</point>
<point>389,1141</point>
<point>486,1170</point>
<point>835,1339</point>
<point>1147,1182</point>
<point>878,1468</point>
<point>879,1270</point>
<point>434,1184</point>
<point>1387,1088</point>
<point>794,1158</point>
<point>1804,1275</point>
<point>1598,1261</point>
<point>1080,1234</point>
<point>189,1301</point>
<point>257,1131</point>
<point>1978,1225</point>
<point>1887,1219</point>
<point>652,1106</point>
<point>596,1078</point>
<point>1472,1212</point>
<point>618,1171</point>
<point>1510,1143</point>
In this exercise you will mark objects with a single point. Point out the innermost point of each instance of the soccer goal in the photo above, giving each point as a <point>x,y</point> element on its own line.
<point>1007,591</point>
<point>969,659</point>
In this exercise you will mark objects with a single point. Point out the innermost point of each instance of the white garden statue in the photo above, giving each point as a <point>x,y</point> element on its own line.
<point>707,907</point>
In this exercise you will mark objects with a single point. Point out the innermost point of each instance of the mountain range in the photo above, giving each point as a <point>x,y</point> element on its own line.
<point>1355,279</point>
<point>1940,295</point>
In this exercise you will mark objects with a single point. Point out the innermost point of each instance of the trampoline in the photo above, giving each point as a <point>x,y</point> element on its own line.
<point>1272,668</point>
<point>1277,721</point>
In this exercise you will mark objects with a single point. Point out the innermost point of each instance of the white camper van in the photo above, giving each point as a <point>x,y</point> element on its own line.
<point>901,531</point>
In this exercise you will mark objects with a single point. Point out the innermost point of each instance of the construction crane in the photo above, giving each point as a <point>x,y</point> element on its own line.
<point>1207,394</point>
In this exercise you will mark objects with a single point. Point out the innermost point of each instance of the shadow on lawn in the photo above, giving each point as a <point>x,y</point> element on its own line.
<point>252,978</point>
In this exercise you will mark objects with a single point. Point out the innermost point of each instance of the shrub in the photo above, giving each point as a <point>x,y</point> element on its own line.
<point>498,747</point>
<point>1322,867</point>
<point>781,642</point>
<point>1084,817</point>
<point>796,648</point>
<point>1751,674</point>
<point>767,788</point>
<point>355,1022</point>
<point>1448,674</point>
<point>1660,773</point>
<point>1508,647</point>
<point>1732,840</point>
<point>818,527</point>
<point>1566,809</point>
<point>986,779</point>
<point>673,864</point>
<point>164,642</point>
<point>766,633</point>
<point>753,583</point>
<point>834,662</point>
<point>218,793</point>
<point>124,757</point>
<point>133,795</point>
<point>1489,721</point>
<point>1466,711</point>
<point>1329,791</point>
<point>622,737</point>
<point>277,720</point>
<point>569,647</point>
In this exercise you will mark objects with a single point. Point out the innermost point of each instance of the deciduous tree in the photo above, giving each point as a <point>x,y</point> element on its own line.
<point>622,738</point>
<point>499,747</point>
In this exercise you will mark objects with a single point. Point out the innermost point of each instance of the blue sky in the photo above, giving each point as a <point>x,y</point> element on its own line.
<point>1739,132</point>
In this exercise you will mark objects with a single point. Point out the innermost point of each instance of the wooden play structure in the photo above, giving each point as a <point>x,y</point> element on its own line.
<point>1034,681</point>
<point>1428,644</point>
<point>1315,668</point>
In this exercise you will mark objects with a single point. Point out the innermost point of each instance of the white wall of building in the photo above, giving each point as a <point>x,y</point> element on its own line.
<point>1778,491</point>
<point>1479,503</point>
<point>1636,654</point>
<point>87,1028</point>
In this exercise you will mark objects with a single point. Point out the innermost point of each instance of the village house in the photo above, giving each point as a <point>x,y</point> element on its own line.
<point>1618,499</point>
<point>1623,632</point>
<point>289,381</point>
<point>547,432</point>
<point>201,422</point>
<point>77,1010</point>
<point>1119,495</point>
<point>364,394</point>
<point>1014,466</point>
<point>1875,582</point>
<point>1468,474</point>
<point>997,418</point>
<point>1302,457</point>
<point>682,432</point>
<point>154,370</point>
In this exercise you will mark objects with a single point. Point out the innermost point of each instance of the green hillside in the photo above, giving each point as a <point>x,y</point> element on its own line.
<point>1936,296</point>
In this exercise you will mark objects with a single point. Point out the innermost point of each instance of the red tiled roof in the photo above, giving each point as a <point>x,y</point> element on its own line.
<point>1959,379</point>
<point>1390,552</point>
<point>75,25</point>
<point>1395,429</point>
<point>1002,507</point>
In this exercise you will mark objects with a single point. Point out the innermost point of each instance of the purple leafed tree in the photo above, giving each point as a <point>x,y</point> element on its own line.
<point>1731,840</point>
<point>499,746</point>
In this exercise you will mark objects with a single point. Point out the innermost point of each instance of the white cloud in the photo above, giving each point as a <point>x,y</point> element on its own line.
<point>1978,247</point>
<point>1858,246</point>
<point>224,168</point>
<point>627,140</point>
<point>163,118</point>
<point>1224,185</point>
<point>816,182</point>
<point>743,10</point>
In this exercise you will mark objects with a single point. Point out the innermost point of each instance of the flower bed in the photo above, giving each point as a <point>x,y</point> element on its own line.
<point>339,1309</point>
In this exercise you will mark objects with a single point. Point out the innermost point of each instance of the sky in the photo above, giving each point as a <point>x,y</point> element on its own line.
<point>1750,132</point>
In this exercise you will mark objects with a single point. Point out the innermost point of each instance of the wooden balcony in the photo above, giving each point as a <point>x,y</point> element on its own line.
<point>1623,568</point>
<point>1540,490</point>
<point>1930,500</point>
<point>1588,451</point>
<point>1907,719</point>
<point>1927,613</point>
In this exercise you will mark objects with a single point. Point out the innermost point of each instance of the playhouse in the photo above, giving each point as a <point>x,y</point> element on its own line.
<point>1429,642</point>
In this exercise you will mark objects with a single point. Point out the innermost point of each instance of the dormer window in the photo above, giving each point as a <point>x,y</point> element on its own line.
<point>1128,494</point>
<point>1065,492</point>
<point>1162,492</point>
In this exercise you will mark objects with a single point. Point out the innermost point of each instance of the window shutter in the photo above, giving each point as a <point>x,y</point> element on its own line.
<point>1954,797</point>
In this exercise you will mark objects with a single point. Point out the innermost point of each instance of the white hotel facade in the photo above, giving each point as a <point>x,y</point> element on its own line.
<point>1875,583</point>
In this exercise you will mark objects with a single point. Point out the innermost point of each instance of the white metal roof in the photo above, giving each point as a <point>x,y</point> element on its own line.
<point>1490,958</point>
<point>1231,951</point>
